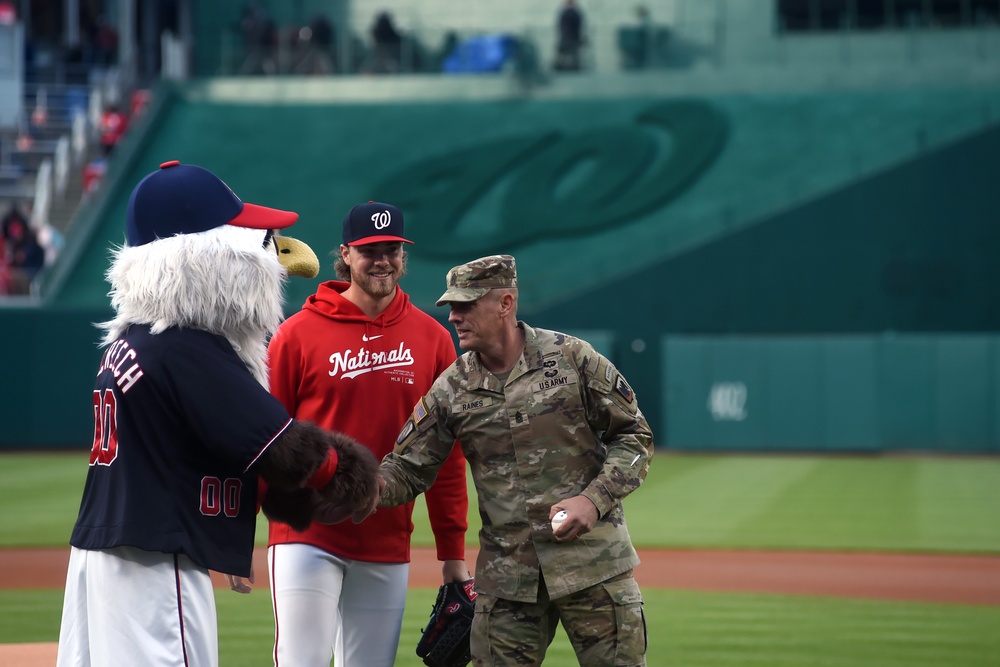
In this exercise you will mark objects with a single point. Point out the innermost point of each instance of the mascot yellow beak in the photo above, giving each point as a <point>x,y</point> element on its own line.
<point>297,257</point>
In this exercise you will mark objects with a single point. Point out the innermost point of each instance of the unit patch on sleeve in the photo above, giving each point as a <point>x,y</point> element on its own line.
<point>408,428</point>
<point>626,391</point>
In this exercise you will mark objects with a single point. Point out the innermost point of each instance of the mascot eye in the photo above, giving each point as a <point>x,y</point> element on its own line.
<point>268,237</point>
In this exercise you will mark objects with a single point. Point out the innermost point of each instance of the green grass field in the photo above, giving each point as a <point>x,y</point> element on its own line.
<point>883,503</point>
<point>876,503</point>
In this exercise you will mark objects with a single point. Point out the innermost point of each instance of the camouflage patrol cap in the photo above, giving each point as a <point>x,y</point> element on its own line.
<point>467,282</point>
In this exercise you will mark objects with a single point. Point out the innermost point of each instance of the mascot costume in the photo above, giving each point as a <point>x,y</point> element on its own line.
<point>184,427</point>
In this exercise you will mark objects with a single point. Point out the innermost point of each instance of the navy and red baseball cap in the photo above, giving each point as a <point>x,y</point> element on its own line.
<point>187,199</point>
<point>373,222</point>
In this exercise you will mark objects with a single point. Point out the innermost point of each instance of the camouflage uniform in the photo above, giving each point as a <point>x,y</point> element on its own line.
<point>565,423</point>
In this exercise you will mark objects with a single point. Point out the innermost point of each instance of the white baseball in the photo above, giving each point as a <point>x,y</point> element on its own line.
<point>558,519</point>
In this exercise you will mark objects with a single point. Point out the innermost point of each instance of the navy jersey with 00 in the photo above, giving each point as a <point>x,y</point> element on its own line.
<point>178,421</point>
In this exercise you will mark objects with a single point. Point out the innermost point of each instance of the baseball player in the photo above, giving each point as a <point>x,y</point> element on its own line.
<point>358,356</point>
<point>183,426</point>
<point>547,425</point>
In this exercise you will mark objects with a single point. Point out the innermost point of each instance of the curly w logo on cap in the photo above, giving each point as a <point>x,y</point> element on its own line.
<point>373,222</point>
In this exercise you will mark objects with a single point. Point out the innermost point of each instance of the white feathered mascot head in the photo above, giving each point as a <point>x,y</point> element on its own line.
<point>198,257</point>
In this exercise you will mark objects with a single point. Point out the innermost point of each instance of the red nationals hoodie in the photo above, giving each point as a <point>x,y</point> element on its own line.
<point>332,365</point>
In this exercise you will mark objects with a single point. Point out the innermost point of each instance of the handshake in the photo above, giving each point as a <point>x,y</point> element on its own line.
<point>343,482</point>
<point>330,511</point>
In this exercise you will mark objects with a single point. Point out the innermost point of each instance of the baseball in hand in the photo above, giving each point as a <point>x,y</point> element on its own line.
<point>558,519</point>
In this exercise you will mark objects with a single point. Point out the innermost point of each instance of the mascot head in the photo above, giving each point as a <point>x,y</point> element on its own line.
<point>196,256</point>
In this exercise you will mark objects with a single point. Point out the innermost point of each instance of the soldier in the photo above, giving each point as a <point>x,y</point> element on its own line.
<point>547,425</point>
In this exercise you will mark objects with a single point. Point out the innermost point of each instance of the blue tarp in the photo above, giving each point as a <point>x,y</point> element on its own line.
<point>484,53</point>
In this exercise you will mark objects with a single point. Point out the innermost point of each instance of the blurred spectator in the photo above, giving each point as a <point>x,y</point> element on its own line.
<point>322,31</point>
<point>52,242</point>
<point>113,126</point>
<point>260,36</point>
<point>317,42</point>
<point>93,172</point>
<point>449,44</point>
<point>25,256</point>
<point>635,43</point>
<point>527,66</point>
<point>8,13</point>
<point>14,220</point>
<point>643,17</point>
<point>5,285</point>
<point>25,137</point>
<point>40,116</point>
<point>105,43</point>
<point>570,29</point>
<point>139,102</point>
<point>388,46</point>
<point>12,216</point>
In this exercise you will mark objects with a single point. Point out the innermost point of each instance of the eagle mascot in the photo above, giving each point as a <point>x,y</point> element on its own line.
<point>185,428</point>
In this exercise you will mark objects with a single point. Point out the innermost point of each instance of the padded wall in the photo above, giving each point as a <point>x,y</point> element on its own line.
<point>841,393</point>
<point>639,217</point>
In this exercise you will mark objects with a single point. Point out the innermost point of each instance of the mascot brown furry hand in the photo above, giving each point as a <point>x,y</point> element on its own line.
<point>184,424</point>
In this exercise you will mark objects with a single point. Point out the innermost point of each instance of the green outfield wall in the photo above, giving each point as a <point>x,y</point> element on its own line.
<point>843,393</point>
<point>48,377</point>
<point>772,236</point>
<point>722,393</point>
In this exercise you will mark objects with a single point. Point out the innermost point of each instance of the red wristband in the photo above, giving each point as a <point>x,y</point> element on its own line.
<point>325,473</point>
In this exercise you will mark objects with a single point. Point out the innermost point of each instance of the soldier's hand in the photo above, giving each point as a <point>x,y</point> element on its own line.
<point>581,515</point>
<point>371,506</point>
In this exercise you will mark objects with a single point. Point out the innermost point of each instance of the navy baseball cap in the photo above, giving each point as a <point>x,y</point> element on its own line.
<point>372,223</point>
<point>186,199</point>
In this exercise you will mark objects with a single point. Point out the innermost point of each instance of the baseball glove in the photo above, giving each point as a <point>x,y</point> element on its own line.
<point>445,640</point>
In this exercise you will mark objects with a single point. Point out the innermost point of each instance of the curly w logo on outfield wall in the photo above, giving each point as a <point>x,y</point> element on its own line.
<point>546,185</point>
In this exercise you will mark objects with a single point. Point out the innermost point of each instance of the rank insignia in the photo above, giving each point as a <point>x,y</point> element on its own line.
<point>626,391</point>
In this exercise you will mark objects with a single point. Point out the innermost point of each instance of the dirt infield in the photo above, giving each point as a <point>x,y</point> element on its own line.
<point>930,578</point>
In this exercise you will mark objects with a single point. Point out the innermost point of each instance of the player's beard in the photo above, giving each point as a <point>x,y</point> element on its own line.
<point>378,288</point>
